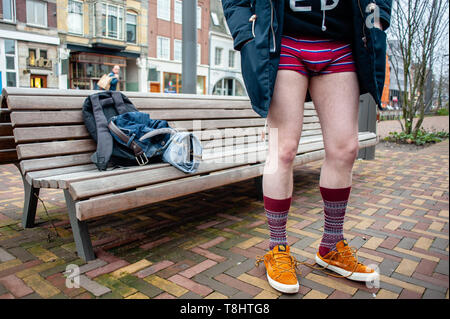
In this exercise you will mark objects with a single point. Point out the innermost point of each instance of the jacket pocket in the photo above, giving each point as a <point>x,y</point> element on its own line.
<point>251,66</point>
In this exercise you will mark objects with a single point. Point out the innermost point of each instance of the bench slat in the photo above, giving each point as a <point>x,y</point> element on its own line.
<point>207,116</point>
<point>49,133</point>
<point>54,162</point>
<point>18,103</point>
<point>37,150</point>
<point>33,177</point>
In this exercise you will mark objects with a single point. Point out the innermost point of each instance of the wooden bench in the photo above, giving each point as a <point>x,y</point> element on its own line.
<point>53,150</point>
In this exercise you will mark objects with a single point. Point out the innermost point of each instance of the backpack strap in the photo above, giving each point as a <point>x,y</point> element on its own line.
<point>104,139</point>
<point>119,104</point>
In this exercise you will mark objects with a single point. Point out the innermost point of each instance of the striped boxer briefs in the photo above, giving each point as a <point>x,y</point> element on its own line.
<point>312,56</point>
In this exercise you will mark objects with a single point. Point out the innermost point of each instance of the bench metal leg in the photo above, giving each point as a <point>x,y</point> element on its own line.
<point>259,188</point>
<point>29,204</point>
<point>79,230</point>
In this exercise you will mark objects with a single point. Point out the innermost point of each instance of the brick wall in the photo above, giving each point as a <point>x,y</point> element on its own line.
<point>51,15</point>
<point>21,10</point>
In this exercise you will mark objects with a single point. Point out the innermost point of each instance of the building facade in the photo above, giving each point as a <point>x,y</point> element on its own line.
<point>70,44</point>
<point>225,76</point>
<point>29,43</point>
<point>98,34</point>
<point>165,46</point>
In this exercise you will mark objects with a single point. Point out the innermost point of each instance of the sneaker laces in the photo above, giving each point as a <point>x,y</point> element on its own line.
<point>282,259</point>
<point>348,253</point>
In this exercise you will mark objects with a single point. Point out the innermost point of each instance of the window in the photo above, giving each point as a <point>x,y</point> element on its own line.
<point>9,10</point>
<point>131,27</point>
<point>163,9</point>
<point>111,21</point>
<point>228,86</point>
<point>37,13</point>
<point>218,56</point>
<point>10,56</point>
<point>215,19</point>
<point>31,57</point>
<point>199,18</point>
<point>178,15</point>
<point>75,17</point>
<point>163,48</point>
<point>177,50</point>
<point>231,54</point>
<point>43,54</point>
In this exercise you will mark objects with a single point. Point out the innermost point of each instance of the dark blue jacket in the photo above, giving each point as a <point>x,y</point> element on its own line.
<point>113,84</point>
<point>260,56</point>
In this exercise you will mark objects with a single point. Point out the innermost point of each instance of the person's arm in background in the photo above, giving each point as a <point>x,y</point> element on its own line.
<point>237,13</point>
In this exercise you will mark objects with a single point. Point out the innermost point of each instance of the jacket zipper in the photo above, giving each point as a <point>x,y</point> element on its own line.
<point>271,27</point>
<point>363,29</point>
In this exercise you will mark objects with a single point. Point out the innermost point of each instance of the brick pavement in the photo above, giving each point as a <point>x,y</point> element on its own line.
<point>204,245</point>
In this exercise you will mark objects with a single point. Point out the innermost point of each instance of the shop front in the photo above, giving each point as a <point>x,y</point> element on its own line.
<point>87,68</point>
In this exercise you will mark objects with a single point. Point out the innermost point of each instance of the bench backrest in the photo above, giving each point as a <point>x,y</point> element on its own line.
<point>49,132</point>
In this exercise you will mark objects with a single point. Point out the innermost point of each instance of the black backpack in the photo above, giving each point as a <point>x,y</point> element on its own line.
<point>98,108</point>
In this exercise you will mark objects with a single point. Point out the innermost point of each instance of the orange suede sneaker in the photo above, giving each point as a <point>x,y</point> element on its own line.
<point>280,267</point>
<point>344,262</point>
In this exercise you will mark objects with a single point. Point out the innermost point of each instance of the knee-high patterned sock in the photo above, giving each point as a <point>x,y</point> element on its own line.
<point>277,214</point>
<point>335,203</point>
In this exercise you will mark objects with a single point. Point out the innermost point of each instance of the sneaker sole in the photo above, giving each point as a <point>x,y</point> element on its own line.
<point>288,289</point>
<point>357,276</point>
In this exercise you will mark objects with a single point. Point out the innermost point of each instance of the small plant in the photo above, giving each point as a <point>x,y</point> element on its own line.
<point>442,112</point>
<point>423,137</point>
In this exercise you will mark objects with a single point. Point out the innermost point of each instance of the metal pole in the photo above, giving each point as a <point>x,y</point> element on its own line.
<point>189,47</point>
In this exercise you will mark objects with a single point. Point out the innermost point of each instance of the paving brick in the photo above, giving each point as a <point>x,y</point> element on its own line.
<point>440,243</point>
<point>216,285</point>
<point>41,286</point>
<point>106,269</point>
<point>442,267</point>
<point>386,294</point>
<point>240,268</point>
<point>154,268</point>
<point>5,256</point>
<point>315,294</point>
<point>406,294</point>
<point>191,285</point>
<point>16,286</point>
<point>166,285</point>
<point>93,287</point>
<point>115,285</point>
<point>420,285</point>
<point>238,284</point>
<point>407,267</point>
<point>426,267</point>
<point>433,294</point>
<point>406,243</point>
<point>130,269</point>
<point>91,265</point>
